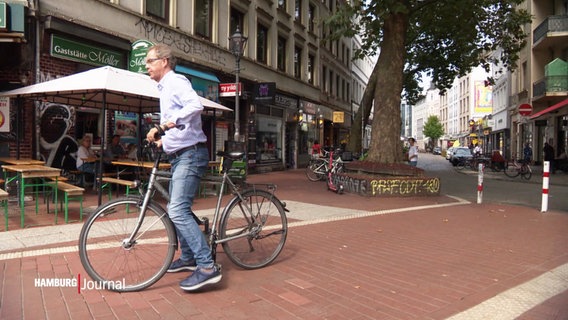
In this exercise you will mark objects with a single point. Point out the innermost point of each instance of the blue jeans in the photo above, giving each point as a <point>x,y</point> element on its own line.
<point>413,163</point>
<point>88,167</point>
<point>187,170</point>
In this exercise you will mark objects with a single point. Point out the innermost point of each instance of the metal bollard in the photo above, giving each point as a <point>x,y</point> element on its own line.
<point>545,177</point>
<point>480,184</point>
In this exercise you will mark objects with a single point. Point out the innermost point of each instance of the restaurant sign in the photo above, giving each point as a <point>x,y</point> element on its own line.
<point>3,16</point>
<point>138,55</point>
<point>85,53</point>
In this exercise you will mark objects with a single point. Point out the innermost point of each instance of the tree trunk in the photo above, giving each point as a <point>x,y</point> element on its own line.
<point>386,146</point>
<point>355,143</point>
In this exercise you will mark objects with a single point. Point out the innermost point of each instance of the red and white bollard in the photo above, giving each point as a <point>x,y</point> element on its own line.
<point>545,177</point>
<point>480,184</point>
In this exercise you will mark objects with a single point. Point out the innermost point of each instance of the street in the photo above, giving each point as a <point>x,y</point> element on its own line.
<point>497,188</point>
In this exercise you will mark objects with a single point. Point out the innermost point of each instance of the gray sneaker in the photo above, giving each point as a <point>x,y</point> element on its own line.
<point>200,278</point>
<point>180,265</point>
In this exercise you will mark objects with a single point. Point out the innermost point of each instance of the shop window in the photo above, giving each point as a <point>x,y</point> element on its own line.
<point>269,140</point>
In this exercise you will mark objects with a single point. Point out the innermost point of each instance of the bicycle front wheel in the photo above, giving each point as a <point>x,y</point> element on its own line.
<point>314,169</point>
<point>253,229</point>
<point>511,170</point>
<point>116,264</point>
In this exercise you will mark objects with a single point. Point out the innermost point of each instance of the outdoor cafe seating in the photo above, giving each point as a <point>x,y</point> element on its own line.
<point>21,175</point>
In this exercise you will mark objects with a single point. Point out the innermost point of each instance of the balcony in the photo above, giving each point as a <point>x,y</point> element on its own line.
<point>552,32</point>
<point>550,89</point>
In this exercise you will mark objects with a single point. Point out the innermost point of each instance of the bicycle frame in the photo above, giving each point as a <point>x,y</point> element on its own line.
<point>332,169</point>
<point>212,233</point>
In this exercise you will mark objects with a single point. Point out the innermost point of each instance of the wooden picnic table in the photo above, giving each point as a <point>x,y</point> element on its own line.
<point>15,161</point>
<point>23,172</point>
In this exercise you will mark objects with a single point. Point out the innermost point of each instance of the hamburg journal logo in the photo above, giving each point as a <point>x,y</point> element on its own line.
<point>78,283</point>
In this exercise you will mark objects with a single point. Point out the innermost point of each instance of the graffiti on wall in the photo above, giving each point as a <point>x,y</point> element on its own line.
<point>389,186</point>
<point>184,43</point>
<point>57,148</point>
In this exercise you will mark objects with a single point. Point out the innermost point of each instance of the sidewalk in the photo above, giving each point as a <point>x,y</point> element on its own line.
<point>347,257</point>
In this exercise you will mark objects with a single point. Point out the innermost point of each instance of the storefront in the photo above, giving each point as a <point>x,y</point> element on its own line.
<point>72,49</point>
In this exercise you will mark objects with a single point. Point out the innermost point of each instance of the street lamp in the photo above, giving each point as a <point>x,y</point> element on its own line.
<point>237,47</point>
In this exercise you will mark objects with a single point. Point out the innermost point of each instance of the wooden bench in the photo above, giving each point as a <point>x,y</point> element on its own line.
<point>108,182</point>
<point>4,204</point>
<point>71,192</point>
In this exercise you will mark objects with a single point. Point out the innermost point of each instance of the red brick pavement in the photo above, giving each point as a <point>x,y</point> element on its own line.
<point>423,264</point>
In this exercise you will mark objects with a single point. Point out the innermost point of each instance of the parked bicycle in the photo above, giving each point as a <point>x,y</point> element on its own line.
<point>515,168</point>
<point>128,244</point>
<point>333,168</point>
<point>319,167</point>
<point>471,163</point>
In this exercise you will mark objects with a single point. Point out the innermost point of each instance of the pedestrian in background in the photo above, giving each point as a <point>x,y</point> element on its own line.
<point>183,140</point>
<point>527,153</point>
<point>549,155</point>
<point>412,152</point>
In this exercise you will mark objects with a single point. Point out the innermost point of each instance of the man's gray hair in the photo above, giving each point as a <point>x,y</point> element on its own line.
<point>164,51</point>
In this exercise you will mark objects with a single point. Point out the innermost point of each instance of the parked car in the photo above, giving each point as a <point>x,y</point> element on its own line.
<point>437,150</point>
<point>460,154</point>
<point>449,153</point>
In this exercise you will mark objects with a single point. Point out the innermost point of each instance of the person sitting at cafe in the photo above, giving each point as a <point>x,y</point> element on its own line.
<point>132,151</point>
<point>86,157</point>
<point>114,151</point>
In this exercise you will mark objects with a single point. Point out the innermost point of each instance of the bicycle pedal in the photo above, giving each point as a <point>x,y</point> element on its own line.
<point>219,267</point>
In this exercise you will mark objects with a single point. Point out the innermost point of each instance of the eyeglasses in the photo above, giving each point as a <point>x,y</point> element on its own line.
<point>152,60</point>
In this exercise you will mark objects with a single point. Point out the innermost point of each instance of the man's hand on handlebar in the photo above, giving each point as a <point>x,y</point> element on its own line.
<point>154,137</point>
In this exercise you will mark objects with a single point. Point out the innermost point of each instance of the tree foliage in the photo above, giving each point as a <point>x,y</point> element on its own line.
<point>433,128</point>
<point>442,39</point>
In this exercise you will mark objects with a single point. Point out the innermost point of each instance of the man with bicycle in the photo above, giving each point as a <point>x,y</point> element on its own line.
<point>184,142</point>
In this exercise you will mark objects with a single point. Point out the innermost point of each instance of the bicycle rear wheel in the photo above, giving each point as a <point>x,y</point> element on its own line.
<point>511,170</point>
<point>123,267</point>
<point>314,169</point>
<point>526,173</point>
<point>253,229</point>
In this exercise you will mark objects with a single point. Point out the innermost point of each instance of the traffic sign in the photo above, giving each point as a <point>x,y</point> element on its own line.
<point>525,109</point>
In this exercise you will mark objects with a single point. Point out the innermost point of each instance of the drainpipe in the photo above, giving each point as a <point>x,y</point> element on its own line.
<point>34,12</point>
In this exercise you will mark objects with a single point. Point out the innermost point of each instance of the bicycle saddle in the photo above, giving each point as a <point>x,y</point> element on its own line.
<point>233,155</point>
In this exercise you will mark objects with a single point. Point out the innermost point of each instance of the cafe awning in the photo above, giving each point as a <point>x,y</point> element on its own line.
<point>106,88</point>
<point>550,109</point>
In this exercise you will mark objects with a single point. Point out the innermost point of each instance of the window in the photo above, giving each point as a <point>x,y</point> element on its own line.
<point>237,19</point>
<point>298,10</point>
<point>281,59</point>
<point>261,44</point>
<point>311,63</point>
<point>298,62</point>
<point>202,19</point>
<point>157,8</point>
<point>324,79</point>
<point>311,17</point>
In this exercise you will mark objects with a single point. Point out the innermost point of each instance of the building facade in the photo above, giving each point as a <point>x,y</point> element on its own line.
<point>295,87</point>
<point>541,81</point>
